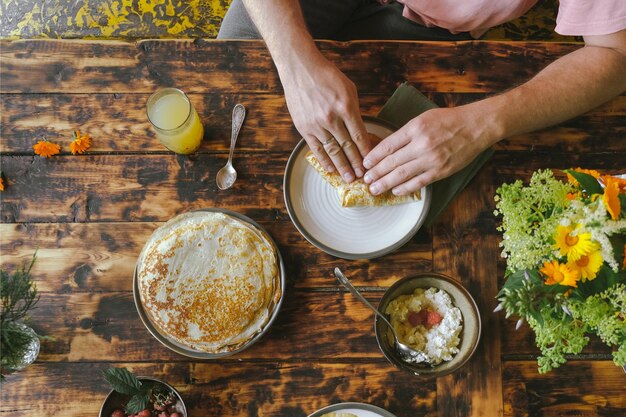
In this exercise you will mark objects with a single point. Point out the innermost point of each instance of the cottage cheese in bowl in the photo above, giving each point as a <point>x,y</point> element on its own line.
<point>437,314</point>
<point>428,321</point>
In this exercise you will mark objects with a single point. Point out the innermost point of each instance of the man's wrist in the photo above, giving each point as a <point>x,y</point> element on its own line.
<point>488,121</point>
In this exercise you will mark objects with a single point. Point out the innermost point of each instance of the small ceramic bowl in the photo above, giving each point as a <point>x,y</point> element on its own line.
<point>461,298</point>
<point>116,401</point>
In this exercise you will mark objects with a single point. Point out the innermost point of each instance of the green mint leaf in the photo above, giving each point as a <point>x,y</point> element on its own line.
<point>137,403</point>
<point>587,182</point>
<point>122,381</point>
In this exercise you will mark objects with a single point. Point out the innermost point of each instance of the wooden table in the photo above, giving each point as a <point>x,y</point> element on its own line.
<point>89,216</point>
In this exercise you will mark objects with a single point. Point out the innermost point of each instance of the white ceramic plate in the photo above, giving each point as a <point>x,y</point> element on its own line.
<point>353,232</point>
<point>358,409</point>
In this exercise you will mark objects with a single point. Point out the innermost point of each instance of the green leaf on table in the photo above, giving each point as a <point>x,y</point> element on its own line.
<point>622,201</point>
<point>618,242</point>
<point>122,381</point>
<point>137,403</point>
<point>516,280</point>
<point>587,182</point>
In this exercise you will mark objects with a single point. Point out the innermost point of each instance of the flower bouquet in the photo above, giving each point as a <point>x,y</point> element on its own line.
<point>563,241</point>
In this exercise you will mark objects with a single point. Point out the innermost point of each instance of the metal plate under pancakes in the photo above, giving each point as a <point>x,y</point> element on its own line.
<point>358,409</point>
<point>198,354</point>
<point>347,232</point>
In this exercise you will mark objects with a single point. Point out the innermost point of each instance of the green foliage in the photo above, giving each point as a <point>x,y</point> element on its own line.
<point>563,333</point>
<point>525,295</point>
<point>529,218</point>
<point>558,335</point>
<point>586,181</point>
<point>125,382</point>
<point>604,313</point>
<point>122,381</point>
<point>138,402</point>
<point>18,295</point>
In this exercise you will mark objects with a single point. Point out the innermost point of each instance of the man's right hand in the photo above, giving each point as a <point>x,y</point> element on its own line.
<point>324,107</point>
<point>322,101</point>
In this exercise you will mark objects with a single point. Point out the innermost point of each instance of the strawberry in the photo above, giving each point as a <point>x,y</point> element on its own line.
<point>433,318</point>
<point>417,317</point>
<point>427,318</point>
<point>118,413</point>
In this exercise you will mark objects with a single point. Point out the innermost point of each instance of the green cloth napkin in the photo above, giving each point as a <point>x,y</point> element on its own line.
<point>407,103</point>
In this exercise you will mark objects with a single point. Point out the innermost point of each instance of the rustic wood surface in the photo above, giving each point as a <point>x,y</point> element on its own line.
<point>88,217</point>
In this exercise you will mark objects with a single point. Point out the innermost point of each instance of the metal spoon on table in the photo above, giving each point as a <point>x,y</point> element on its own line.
<point>407,353</point>
<point>227,175</point>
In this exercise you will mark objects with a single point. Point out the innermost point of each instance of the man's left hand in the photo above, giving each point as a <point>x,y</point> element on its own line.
<point>430,147</point>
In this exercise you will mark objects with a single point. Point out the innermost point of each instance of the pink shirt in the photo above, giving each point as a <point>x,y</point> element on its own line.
<point>575,17</point>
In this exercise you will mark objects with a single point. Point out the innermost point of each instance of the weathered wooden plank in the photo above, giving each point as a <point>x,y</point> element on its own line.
<point>328,325</point>
<point>156,187</point>
<point>225,388</point>
<point>118,123</point>
<point>66,264</point>
<point>80,316</point>
<point>138,187</point>
<point>464,242</point>
<point>589,389</point>
<point>34,66</point>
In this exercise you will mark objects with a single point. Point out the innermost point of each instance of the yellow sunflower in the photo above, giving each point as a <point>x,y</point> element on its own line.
<point>571,244</point>
<point>588,265</point>
<point>558,273</point>
<point>610,198</point>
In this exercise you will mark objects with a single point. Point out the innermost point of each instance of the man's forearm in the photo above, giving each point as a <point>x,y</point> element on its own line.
<point>283,28</point>
<point>570,86</point>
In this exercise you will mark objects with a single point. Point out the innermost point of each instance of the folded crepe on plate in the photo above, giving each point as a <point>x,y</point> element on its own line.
<point>209,281</point>
<point>357,193</point>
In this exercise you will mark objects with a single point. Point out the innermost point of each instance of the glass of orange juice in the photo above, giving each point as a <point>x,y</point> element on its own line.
<point>175,120</point>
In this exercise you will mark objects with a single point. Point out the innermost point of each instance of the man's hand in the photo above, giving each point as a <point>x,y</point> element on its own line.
<point>322,101</point>
<point>428,148</point>
<point>324,107</point>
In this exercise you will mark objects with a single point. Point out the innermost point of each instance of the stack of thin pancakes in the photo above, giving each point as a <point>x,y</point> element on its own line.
<point>209,281</point>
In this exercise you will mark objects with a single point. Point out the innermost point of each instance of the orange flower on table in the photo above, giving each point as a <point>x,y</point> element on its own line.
<point>1,183</point>
<point>558,273</point>
<point>588,265</point>
<point>610,198</point>
<point>81,143</point>
<point>621,182</point>
<point>571,244</point>
<point>591,172</point>
<point>46,149</point>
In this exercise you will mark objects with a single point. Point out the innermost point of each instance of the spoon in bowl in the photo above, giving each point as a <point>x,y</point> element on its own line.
<point>227,175</point>
<point>407,353</point>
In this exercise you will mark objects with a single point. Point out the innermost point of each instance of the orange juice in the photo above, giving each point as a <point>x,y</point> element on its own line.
<point>175,121</point>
